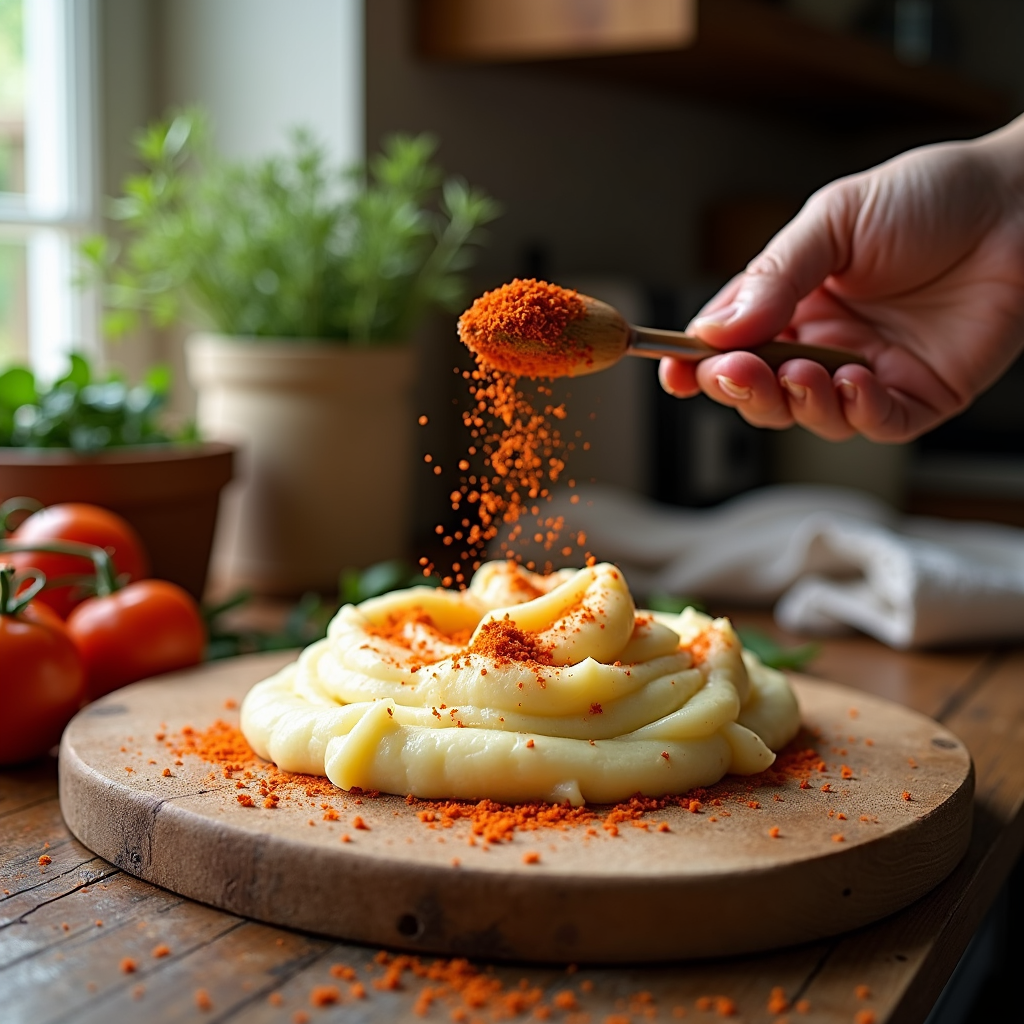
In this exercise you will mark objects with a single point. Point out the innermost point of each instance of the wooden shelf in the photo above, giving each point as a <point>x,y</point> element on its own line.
<point>741,51</point>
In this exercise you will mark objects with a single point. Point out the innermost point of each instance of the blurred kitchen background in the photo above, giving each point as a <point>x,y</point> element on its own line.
<point>643,151</point>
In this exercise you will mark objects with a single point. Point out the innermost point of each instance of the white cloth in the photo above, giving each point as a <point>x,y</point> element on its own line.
<point>831,558</point>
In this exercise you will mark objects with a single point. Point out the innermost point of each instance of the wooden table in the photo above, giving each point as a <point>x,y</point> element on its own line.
<point>66,928</point>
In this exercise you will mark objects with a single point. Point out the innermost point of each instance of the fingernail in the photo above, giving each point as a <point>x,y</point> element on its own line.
<point>720,317</point>
<point>798,391</point>
<point>847,389</point>
<point>732,389</point>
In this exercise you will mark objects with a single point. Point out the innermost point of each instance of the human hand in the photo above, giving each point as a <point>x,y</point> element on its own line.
<point>917,264</point>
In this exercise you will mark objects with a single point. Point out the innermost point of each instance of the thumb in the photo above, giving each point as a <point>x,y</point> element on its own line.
<point>758,304</point>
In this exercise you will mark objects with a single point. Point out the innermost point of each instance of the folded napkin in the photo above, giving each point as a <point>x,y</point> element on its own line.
<point>829,558</point>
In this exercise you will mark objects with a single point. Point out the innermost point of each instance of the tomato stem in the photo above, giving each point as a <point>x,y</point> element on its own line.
<point>106,581</point>
<point>11,602</point>
<point>13,505</point>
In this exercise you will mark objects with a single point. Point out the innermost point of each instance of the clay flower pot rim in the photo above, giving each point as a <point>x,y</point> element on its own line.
<point>157,451</point>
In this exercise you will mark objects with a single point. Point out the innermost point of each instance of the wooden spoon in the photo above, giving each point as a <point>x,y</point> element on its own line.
<point>602,337</point>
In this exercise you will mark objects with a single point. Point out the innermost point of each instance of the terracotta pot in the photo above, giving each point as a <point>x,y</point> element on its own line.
<point>326,436</point>
<point>169,493</point>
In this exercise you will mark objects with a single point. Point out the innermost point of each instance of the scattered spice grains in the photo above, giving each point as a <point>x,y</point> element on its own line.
<point>203,1000</point>
<point>325,995</point>
<point>862,992</point>
<point>906,796</point>
<point>864,1017</point>
<point>566,1000</point>
<point>531,857</point>
<point>44,860</point>
<point>802,1006</point>
<point>514,431</point>
<point>128,965</point>
<point>224,746</point>
<point>161,951</point>
<point>777,1001</point>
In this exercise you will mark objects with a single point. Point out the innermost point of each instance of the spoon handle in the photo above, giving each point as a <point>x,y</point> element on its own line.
<point>653,344</point>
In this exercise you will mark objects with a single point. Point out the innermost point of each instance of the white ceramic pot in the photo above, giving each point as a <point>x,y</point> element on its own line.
<point>325,432</point>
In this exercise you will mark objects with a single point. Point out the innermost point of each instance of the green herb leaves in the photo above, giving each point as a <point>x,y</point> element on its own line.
<point>79,412</point>
<point>289,246</point>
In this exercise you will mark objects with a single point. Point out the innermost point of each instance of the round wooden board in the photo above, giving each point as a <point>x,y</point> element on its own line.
<point>716,882</point>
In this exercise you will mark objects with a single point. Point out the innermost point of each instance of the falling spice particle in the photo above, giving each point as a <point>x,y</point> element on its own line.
<point>566,1000</point>
<point>777,1001</point>
<point>203,1000</point>
<point>324,995</point>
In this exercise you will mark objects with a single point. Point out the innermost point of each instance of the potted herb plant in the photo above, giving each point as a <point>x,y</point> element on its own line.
<point>100,440</point>
<point>310,281</point>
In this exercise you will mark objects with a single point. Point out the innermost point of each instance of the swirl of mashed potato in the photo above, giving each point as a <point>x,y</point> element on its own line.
<point>522,687</point>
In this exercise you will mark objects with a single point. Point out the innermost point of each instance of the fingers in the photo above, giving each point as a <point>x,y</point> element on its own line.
<point>835,408</point>
<point>879,413</point>
<point>746,383</point>
<point>678,378</point>
<point>759,303</point>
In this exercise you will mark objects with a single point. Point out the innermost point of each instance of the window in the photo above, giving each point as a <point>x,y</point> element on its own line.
<point>47,179</point>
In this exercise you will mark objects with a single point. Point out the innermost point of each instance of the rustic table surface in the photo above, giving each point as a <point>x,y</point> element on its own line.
<point>82,941</point>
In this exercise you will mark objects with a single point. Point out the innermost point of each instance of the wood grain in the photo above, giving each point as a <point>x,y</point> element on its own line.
<point>496,30</point>
<point>904,959</point>
<point>393,883</point>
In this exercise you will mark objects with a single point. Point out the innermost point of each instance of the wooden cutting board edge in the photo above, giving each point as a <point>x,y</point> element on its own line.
<point>197,842</point>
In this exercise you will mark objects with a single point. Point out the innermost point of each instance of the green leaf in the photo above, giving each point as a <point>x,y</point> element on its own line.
<point>158,379</point>
<point>78,373</point>
<point>773,654</point>
<point>287,246</point>
<point>670,603</point>
<point>17,387</point>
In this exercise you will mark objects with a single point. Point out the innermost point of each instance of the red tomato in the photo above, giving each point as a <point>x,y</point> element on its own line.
<point>87,524</point>
<point>42,683</point>
<point>139,631</point>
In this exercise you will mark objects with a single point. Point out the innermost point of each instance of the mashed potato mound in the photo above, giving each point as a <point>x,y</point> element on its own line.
<point>522,687</point>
